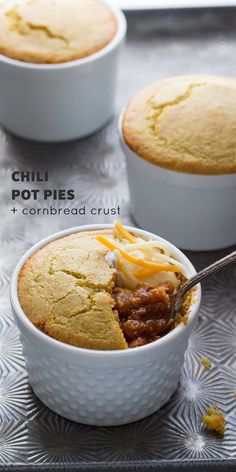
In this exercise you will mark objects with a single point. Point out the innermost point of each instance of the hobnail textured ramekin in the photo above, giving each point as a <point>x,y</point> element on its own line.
<point>102,387</point>
<point>61,102</point>
<point>195,212</point>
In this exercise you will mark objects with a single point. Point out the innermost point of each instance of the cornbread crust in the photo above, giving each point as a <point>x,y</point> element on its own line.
<point>185,124</point>
<point>206,362</point>
<point>54,31</point>
<point>65,290</point>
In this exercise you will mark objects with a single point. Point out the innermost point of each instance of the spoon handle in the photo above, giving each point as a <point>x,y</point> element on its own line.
<point>211,269</point>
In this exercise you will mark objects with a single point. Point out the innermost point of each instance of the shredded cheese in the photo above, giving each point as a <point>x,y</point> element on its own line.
<point>143,273</point>
<point>135,260</point>
<point>123,232</point>
<point>124,273</point>
<point>158,245</point>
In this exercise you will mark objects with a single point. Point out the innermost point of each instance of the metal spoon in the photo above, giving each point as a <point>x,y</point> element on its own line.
<point>211,269</point>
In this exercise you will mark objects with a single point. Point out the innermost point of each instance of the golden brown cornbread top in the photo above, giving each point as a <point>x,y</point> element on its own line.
<point>185,124</point>
<point>54,31</point>
<point>65,290</point>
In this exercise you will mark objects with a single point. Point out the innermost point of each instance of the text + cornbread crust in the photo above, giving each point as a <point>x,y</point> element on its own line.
<point>185,124</point>
<point>54,31</point>
<point>65,290</point>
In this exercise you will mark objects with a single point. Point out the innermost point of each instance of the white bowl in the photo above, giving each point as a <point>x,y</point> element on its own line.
<point>60,102</point>
<point>102,387</point>
<point>195,212</point>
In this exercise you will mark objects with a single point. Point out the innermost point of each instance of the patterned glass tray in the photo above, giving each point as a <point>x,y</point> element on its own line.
<point>31,436</point>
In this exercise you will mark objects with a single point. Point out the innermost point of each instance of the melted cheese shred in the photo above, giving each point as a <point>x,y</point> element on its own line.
<point>140,261</point>
<point>136,260</point>
<point>121,232</point>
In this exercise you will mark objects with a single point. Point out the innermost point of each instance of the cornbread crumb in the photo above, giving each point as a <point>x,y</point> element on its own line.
<point>54,31</point>
<point>214,420</point>
<point>206,362</point>
<point>185,124</point>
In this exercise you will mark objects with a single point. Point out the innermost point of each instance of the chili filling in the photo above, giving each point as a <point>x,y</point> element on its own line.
<point>143,312</point>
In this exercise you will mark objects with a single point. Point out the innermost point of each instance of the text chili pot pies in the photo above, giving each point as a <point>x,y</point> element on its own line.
<point>179,139</point>
<point>91,304</point>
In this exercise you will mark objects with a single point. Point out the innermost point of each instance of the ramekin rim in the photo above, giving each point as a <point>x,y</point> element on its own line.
<point>203,177</point>
<point>119,35</point>
<point>19,313</point>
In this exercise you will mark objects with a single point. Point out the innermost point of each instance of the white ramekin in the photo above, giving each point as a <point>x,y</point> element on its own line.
<point>102,387</point>
<point>61,102</point>
<point>195,212</point>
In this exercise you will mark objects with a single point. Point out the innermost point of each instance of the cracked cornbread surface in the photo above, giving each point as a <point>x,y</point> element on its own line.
<point>185,124</point>
<point>54,31</point>
<point>65,289</point>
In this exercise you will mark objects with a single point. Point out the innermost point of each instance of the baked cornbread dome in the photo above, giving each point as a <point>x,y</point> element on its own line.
<point>185,124</point>
<point>54,31</point>
<point>65,290</point>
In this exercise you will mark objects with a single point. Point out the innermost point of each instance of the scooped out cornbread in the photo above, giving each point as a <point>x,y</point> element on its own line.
<point>54,31</point>
<point>185,124</point>
<point>101,290</point>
